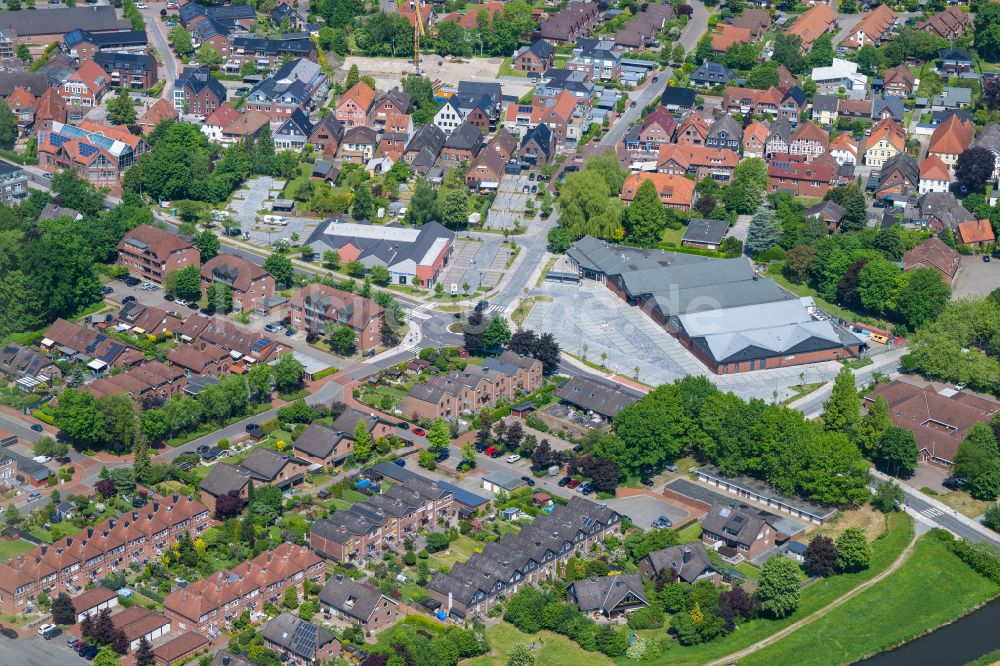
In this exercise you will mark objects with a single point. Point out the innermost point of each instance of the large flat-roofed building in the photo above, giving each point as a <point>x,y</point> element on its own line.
<point>728,316</point>
<point>413,255</point>
<point>54,24</point>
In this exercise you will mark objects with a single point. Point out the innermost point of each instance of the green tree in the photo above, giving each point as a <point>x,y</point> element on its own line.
<point>259,382</point>
<point>121,111</point>
<point>763,75</point>
<point>897,452</point>
<point>748,186</point>
<point>874,426</point>
<point>180,39</point>
<point>497,334</point>
<point>763,232</point>
<point>843,409</point>
<point>364,206</point>
<point>331,259</point>
<point>140,458</point>
<point>24,53</point>
<point>870,59</point>
<point>379,275</point>
<point>877,285</point>
<point>788,51</point>
<point>77,416</point>
<point>652,431</point>
<point>520,654</point>
<point>209,57</point>
<point>8,126</point>
<point>184,283</point>
<point>821,53</point>
<point>855,553</point>
<point>645,217</point>
<point>424,204</point>
<point>362,442</point>
<point>455,208</point>
<point>888,497</point>
<point>107,657</point>
<point>778,588</point>
<point>438,435</point>
<point>280,267</point>
<point>922,297</point>
<point>343,340</point>
<point>986,31</point>
<point>353,76</point>
<point>976,452</point>
<point>208,245</point>
<point>468,455</point>
<point>288,373</point>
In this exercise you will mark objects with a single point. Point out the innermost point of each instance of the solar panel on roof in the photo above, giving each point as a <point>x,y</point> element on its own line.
<point>260,344</point>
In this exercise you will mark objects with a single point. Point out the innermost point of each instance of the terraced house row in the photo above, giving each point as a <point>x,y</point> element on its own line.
<point>368,528</point>
<point>527,557</point>
<point>68,564</point>
<point>209,605</point>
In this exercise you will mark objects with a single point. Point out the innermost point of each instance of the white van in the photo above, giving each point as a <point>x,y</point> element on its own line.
<point>275,220</point>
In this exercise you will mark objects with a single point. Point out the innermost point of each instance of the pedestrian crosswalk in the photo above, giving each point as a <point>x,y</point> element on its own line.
<point>421,313</point>
<point>495,310</point>
<point>932,512</point>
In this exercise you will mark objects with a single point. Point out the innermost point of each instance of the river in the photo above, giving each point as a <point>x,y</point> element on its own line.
<point>956,644</point>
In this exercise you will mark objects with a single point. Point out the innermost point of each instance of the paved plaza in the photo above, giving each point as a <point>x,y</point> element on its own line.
<point>589,314</point>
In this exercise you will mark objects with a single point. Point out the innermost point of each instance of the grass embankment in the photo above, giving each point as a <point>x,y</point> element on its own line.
<point>814,597</point>
<point>554,650</point>
<point>933,580</point>
<point>11,547</point>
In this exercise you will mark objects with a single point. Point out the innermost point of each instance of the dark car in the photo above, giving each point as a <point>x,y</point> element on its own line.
<point>128,299</point>
<point>168,297</point>
<point>106,290</point>
<point>52,633</point>
<point>444,455</point>
<point>632,105</point>
<point>7,632</point>
<point>655,79</point>
<point>530,481</point>
<point>138,501</point>
<point>289,332</point>
<point>646,481</point>
<point>986,258</point>
<point>400,462</point>
<point>403,425</point>
<point>496,453</point>
<point>202,450</point>
<point>563,482</point>
<point>90,652</point>
<point>37,428</point>
<point>252,426</point>
<point>666,521</point>
<point>482,305</point>
<point>192,306</point>
<point>587,488</point>
<point>954,483</point>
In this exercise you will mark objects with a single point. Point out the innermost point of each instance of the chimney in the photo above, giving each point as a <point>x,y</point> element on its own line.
<point>687,555</point>
<point>45,549</point>
<point>90,532</point>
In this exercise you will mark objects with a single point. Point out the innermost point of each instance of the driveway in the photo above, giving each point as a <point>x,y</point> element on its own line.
<point>643,509</point>
<point>976,277</point>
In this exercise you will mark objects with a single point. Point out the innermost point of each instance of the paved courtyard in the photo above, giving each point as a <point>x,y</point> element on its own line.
<point>258,195</point>
<point>508,207</point>
<point>976,277</point>
<point>388,72</point>
<point>591,315</point>
<point>461,258</point>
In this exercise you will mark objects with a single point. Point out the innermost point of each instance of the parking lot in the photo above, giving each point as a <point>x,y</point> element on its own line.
<point>259,195</point>
<point>35,651</point>
<point>976,277</point>
<point>461,259</point>
<point>644,508</point>
<point>508,207</point>
<point>589,321</point>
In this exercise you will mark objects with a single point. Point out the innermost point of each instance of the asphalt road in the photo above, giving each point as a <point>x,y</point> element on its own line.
<point>693,31</point>
<point>158,31</point>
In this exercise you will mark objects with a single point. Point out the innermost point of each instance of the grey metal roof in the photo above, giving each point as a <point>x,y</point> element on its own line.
<point>700,230</point>
<point>224,478</point>
<point>29,23</point>
<point>505,479</point>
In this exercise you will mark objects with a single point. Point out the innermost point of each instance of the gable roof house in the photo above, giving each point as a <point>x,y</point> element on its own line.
<point>320,445</point>
<point>689,562</point>
<point>757,21</point>
<point>727,34</point>
<point>358,144</point>
<point>150,253</point>
<point>739,531</point>
<point>609,596</point>
<point>886,139</point>
<point>754,139</point>
<point>463,144</point>
<point>705,234</point>
<point>675,191</point>
<point>395,101</point>
<point>570,23</point>
<point>933,253</point>
<point>934,175</point>
<point>316,307</point>
<point>196,91</point>
<point>898,81</point>
<point>829,212</point>
<point>29,27</point>
<point>808,140</point>
<point>279,96</point>
<point>355,104</point>
<point>899,175</point>
<point>425,146</point>
<point>294,133</point>
<point>724,133</point>
<point>299,642</point>
<point>72,341</point>
<point>265,52</point>
<point>87,86</point>
<point>249,283</point>
<point>974,233</point>
<point>950,24</point>
<point>824,109</point>
<point>811,24</point>
<point>538,145</point>
<point>950,139</point>
<point>535,58</point>
<point>486,170</point>
<point>218,120</point>
<point>942,211</point>
<point>327,135</point>
<point>160,110</point>
<point>711,74</point>
<point>359,603</point>
<point>873,28</point>
<point>795,174</point>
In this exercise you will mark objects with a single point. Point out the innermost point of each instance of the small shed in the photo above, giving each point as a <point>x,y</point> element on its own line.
<point>796,550</point>
<point>283,205</point>
<point>541,499</point>
<point>501,480</point>
<point>510,513</point>
<point>522,409</point>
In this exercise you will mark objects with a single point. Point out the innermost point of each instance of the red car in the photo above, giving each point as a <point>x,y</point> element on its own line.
<point>419,431</point>
<point>573,484</point>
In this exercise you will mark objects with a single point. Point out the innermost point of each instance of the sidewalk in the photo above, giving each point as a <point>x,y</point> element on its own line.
<point>940,506</point>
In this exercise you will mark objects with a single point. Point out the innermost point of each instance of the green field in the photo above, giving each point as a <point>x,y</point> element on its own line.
<point>11,547</point>
<point>932,588</point>
<point>554,650</point>
<point>814,597</point>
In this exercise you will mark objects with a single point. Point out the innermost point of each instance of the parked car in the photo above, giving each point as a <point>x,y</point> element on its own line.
<point>252,426</point>
<point>37,428</point>
<point>646,481</point>
<point>289,332</point>
<point>481,306</point>
<point>138,501</point>
<point>513,458</point>
<point>403,425</point>
<point>106,290</point>
<point>45,627</point>
<point>563,482</point>
<point>181,302</point>
<point>52,633</point>
<point>530,481</point>
<point>986,258</point>
<point>490,450</point>
<point>7,632</point>
<point>573,484</point>
<point>531,176</point>
<point>954,483</point>
<point>670,467</point>
<point>419,431</point>
<point>41,460</point>
<point>34,496</point>
<point>666,521</point>
<point>496,453</point>
<point>168,297</point>
<point>128,299</point>
<point>273,327</point>
<point>400,462</point>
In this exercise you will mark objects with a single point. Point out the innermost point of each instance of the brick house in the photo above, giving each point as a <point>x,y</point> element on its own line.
<point>754,138</point>
<point>487,167</point>
<point>352,602</point>
<point>159,111</point>
<point>738,531</point>
<point>320,445</point>
<point>316,307</point>
<point>808,140</point>
<point>211,360</point>
<point>129,70</point>
<point>368,528</point>
<point>327,135</point>
<point>463,144</point>
<point>150,253</point>
<point>898,81</point>
<point>197,92</point>
<point>472,389</point>
<point>393,102</point>
<point>534,59</point>
<point>792,173</point>
<point>150,383</point>
<point>92,554</point>
<point>355,104</point>
<point>675,191</point>
<point>299,643</point>
<point>224,479</point>
<point>87,86</point>
<point>208,605</point>
<point>250,284</point>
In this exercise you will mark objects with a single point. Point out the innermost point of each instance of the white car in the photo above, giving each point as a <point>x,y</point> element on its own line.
<point>41,459</point>
<point>513,458</point>
<point>140,5</point>
<point>181,302</point>
<point>44,628</point>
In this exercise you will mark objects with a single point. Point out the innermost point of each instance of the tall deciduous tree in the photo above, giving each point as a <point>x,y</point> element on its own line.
<point>644,218</point>
<point>280,267</point>
<point>821,556</point>
<point>974,167</point>
<point>77,415</point>
<point>843,409</point>
<point>208,245</point>
<point>362,442</point>
<point>922,297</point>
<point>438,435</point>
<point>897,452</point>
<point>121,110</point>
<point>854,551</point>
<point>778,588</point>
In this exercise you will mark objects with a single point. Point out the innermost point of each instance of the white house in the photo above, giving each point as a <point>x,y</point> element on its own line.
<point>841,74</point>
<point>934,175</point>
<point>448,118</point>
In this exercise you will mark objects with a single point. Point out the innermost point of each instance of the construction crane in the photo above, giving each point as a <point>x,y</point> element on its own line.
<point>418,30</point>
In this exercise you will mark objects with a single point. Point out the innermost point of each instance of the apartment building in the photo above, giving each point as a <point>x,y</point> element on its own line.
<point>97,153</point>
<point>197,92</point>
<point>368,528</point>
<point>317,307</point>
<point>150,253</point>
<point>70,563</point>
<point>250,284</point>
<point>504,566</point>
<point>209,605</point>
<point>474,388</point>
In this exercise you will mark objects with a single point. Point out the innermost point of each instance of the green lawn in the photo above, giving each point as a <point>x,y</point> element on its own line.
<point>805,290</point>
<point>933,580</point>
<point>11,547</point>
<point>554,650</point>
<point>690,533</point>
<point>814,597</point>
<point>672,236</point>
<point>507,69</point>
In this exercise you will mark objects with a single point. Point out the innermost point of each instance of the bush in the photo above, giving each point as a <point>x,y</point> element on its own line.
<point>650,617</point>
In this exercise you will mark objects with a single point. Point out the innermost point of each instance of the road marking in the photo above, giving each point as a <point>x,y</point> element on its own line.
<point>421,313</point>
<point>932,512</point>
